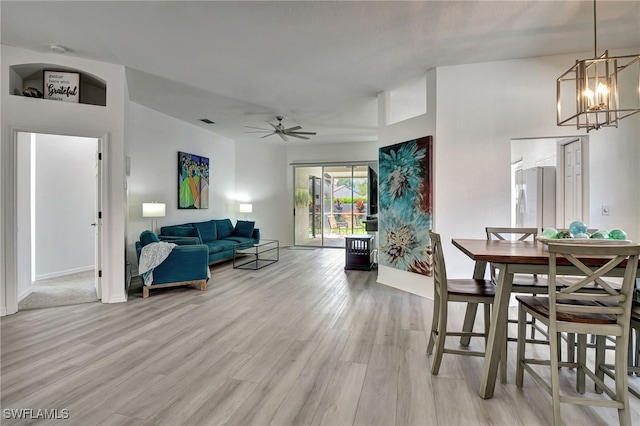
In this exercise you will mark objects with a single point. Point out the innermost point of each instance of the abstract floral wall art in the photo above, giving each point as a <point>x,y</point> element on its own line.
<point>406,205</point>
<point>193,181</point>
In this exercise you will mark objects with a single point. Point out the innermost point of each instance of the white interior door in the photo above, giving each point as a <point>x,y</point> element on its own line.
<point>572,183</point>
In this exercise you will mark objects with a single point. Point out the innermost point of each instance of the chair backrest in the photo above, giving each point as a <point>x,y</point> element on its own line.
<point>519,234</point>
<point>439,268</point>
<point>509,234</point>
<point>332,221</point>
<point>577,297</point>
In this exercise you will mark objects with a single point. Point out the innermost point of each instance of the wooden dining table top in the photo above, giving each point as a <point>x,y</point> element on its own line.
<point>514,252</point>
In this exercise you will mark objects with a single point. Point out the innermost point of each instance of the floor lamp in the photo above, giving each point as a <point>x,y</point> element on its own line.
<point>154,210</point>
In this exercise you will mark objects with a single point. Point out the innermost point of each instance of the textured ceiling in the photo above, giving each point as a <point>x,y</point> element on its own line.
<point>321,64</point>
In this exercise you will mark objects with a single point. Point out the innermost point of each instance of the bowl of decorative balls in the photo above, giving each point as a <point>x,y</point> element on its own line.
<point>578,233</point>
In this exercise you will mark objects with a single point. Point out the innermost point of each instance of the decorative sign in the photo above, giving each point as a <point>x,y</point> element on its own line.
<point>62,86</point>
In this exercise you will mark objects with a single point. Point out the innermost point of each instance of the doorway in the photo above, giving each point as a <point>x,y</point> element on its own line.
<point>331,201</point>
<point>58,189</point>
<point>549,181</point>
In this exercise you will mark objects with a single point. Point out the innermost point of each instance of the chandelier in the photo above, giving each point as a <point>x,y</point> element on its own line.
<point>598,92</point>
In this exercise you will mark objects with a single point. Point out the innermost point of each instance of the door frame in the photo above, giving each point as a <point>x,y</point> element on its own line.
<point>10,222</point>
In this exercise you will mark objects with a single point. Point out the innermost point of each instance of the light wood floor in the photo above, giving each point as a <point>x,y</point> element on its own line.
<point>298,342</point>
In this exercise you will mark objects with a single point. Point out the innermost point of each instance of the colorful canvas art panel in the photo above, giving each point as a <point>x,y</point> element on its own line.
<point>193,181</point>
<point>405,214</point>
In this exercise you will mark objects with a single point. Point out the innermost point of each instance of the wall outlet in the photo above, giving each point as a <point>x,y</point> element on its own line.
<point>606,210</point>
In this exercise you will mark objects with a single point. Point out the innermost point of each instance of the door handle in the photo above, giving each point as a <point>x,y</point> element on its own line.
<point>94,224</point>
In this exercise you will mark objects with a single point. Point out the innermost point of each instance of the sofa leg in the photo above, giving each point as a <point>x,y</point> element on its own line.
<point>203,286</point>
<point>145,291</point>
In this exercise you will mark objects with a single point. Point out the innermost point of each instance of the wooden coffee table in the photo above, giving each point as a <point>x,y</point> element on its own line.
<point>256,256</point>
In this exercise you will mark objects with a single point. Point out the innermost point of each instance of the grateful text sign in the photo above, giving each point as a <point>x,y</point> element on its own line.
<point>62,86</point>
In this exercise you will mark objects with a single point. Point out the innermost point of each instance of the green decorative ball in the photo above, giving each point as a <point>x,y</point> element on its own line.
<point>549,233</point>
<point>581,235</point>
<point>600,235</point>
<point>618,234</point>
<point>564,234</point>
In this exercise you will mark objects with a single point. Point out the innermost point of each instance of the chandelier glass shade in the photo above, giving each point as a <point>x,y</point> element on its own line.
<point>598,92</point>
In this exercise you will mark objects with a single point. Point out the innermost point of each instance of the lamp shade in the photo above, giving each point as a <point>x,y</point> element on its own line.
<point>246,208</point>
<point>153,209</point>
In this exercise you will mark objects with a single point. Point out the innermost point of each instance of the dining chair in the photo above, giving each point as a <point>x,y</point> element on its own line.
<point>633,362</point>
<point>455,290</point>
<point>522,283</point>
<point>334,224</point>
<point>590,305</point>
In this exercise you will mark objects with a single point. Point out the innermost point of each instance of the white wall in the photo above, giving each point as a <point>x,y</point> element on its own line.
<point>43,116</point>
<point>65,176</point>
<point>261,179</point>
<point>422,125</point>
<point>154,142</point>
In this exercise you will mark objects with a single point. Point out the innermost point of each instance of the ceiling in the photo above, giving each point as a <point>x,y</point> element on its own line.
<point>320,64</point>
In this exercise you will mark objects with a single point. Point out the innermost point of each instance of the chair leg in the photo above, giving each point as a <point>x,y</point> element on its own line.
<point>434,323</point>
<point>622,394</point>
<point>441,339</point>
<point>582,361</point>
<point>469,319</point>
<point>522,335</point>
<point>601,342</point>
<point>554,348</point>
<point>571,347</point>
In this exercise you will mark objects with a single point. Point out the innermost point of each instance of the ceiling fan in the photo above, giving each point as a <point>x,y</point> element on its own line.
<point>280,130</point>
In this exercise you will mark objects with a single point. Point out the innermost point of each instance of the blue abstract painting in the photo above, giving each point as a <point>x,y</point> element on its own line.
<point>406,205</point>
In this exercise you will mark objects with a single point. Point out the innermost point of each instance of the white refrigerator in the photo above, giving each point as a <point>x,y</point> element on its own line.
<point>536,197</point>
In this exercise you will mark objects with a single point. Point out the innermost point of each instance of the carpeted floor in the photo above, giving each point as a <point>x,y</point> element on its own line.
<point>68,290</point>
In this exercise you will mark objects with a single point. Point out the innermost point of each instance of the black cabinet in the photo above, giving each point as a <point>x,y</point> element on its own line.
<point>359,252</point>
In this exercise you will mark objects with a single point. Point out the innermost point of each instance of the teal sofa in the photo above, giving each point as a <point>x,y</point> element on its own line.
<point>219,235</point>
<point>186,265</point>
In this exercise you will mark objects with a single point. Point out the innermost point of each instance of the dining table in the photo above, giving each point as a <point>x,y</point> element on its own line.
<point>510,257</point>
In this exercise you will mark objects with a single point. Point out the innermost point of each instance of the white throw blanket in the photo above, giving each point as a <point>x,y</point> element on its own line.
<point>152,255</point>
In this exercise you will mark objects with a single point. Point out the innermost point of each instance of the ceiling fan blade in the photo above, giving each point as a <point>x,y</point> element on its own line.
<point>302,133</point>
<point>291,129</point>
<point>284,138</point>
<point>295,135</point>
<point>265,136</point>
<point>258,131</point>
<point>259,128</point>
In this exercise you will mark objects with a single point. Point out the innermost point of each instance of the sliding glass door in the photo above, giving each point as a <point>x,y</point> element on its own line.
<point>330,202</point>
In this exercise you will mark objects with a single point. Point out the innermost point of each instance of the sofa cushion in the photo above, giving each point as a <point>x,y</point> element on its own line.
<point>208,230</point>
<point>224,228</point>
<point>244,228</point>
<point>244,240</point>
<point>181,231</point>
<point>147,237</point>
<point>215,246</point>
<point>226,245</point>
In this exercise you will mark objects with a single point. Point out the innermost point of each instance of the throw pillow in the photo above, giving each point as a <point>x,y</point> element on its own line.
<point>244,228</point>
<point>147,237</point>
<point>224,227</point>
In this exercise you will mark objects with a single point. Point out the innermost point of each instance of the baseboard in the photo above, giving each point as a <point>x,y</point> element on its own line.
<point>25,293</point>
<point>64,273</point>
<point>3,311</point>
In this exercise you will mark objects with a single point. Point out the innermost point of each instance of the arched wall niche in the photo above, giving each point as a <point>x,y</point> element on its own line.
<point>93,89</point>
